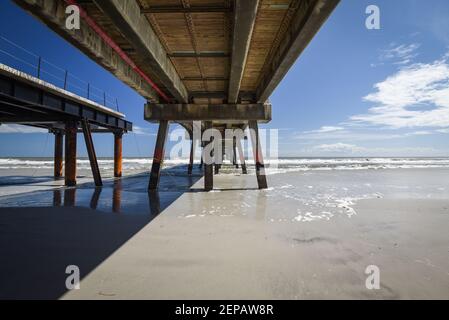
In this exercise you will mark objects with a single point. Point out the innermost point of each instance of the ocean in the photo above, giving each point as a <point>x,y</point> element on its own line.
<point>282,165</point>
<point>317,188</point>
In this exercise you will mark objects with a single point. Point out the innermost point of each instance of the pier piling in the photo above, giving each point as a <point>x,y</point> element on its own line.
<point>192,156</point>
<point>208,167</point>
<point>58,156</point>
<point>71,129</point>
<point>91,153</point>
<point>158,158</point>
<point>234,153</point>
<point>242,157</point>
<point>118,158</point>
<point>258,157</point>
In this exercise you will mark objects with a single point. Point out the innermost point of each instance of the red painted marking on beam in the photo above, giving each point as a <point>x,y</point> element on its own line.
<point>116,48</point>
<point>158,155</point>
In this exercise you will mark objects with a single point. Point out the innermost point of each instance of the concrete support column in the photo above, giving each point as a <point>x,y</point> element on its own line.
<point>192,155</point>
<point>91,153</point>
<point>234,153</point>
<point>201,145</point>
<point>219,163</point>
<point>258,157</point>
<point>155,204</point>
<point>158,158</point>
<point>118,157</point>
<point>71,129</point>
<point>242,156</point>
<point>59,149</point>
<point>208,168</point>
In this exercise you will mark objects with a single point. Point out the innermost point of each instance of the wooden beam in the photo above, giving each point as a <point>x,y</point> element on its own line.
<point>177,9</point>
<point>91,153</point>
<point>59,149</point>
<point>70,153</point>
<point>309,18</point>
<point>127,17</point>
<point>205,79</point>
<point>118,158</point>
<point>194,40</point>
<point>158,158</point>
<point>198,55</point>
<point>207,95</point>
<point>244,19</point>
<point>258,156</point>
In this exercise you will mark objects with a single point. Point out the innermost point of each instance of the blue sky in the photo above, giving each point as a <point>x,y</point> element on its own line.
<point>353,92</point>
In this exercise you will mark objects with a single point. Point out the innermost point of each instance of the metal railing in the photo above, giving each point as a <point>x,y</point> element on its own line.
<point>19,58</point>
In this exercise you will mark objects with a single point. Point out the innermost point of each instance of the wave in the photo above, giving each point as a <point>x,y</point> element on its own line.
<point>273,166</point>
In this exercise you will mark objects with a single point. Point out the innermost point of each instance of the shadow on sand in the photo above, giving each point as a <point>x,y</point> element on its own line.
<point>41,233</point>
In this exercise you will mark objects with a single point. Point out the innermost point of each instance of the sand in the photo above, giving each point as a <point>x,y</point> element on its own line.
<point>235,258</point>
<point>230,244</point>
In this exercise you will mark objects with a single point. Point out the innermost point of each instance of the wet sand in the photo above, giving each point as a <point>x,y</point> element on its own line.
<point>238,244</point>
<point>248,258</point>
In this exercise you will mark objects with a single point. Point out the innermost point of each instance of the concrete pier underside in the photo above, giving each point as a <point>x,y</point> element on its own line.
<point>211,61</point>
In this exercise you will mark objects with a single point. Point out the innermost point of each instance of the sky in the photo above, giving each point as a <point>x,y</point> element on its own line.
<point>353,91</point>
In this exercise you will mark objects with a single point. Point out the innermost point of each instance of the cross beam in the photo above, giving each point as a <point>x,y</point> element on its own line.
<point>207,112</point>
<point>177,9</point>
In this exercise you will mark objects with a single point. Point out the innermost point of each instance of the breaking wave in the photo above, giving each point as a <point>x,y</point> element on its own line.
<point>282,165</point>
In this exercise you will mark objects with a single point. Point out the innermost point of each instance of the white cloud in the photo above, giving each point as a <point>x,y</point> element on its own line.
<point>16,128</point>
<point>337,148</point>
<point>359,135</point>
<point>142,131</point>
<point>420,133</point>
<point>400,54</point>
<point>412,102</point>
<point>344,149</point>
<point>415,96</point>
<point>326,129</point>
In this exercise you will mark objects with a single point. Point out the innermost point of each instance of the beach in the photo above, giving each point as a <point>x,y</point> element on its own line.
<point>311,235</point>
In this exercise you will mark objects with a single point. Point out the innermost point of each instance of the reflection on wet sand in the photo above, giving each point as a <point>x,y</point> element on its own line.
<point>116,196</point>
<point>68,198</point>
<point>57,198</point>
<point>95,198</point>
<point>43,232</point>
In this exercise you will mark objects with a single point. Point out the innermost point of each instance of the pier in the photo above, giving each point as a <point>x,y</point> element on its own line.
<point>212,61</point>
<point>28,100</point>
<point>324,147</point>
